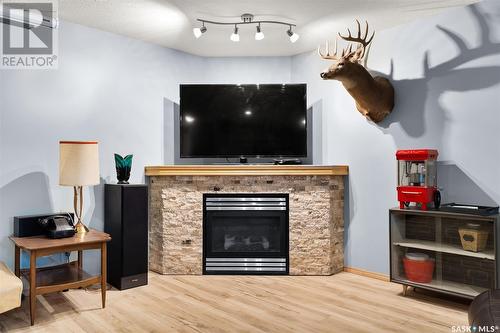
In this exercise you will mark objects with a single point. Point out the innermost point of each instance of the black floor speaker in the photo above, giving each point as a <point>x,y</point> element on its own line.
<point>126,220</point>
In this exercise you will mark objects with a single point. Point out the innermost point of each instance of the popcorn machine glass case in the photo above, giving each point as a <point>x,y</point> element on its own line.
<point>417,178</point>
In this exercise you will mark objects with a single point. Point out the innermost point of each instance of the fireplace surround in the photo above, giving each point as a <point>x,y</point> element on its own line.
<point>245,233</point>
<point>316,201</point>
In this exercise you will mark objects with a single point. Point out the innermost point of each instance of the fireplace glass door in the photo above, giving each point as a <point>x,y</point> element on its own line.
<point>233,233</point>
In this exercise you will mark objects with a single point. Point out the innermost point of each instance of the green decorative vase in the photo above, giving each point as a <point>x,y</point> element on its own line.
<point>123,167</point>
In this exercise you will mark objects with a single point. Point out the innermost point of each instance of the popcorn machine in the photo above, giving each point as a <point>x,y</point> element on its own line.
<point>417,178</point>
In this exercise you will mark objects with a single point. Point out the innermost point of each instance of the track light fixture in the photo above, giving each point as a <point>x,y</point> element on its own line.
<point>293,36</point>
<point>234,36</point>
<point>259,35</point>
<point>246,19</point>
<point>199,31</point>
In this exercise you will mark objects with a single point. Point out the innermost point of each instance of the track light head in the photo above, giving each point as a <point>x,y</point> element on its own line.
<point>259,35</point>
<point>235,37</point>
<point>293,36</point>
<point>197,32</point>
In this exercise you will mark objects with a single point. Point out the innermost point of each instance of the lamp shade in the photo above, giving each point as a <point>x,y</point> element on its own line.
<point>78,163</point>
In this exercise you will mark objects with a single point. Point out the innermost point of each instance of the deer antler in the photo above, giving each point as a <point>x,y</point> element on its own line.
<point>329,56</point>
<point>361,49</point>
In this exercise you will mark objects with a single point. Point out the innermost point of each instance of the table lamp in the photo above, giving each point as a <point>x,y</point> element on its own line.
<point>78,167</point>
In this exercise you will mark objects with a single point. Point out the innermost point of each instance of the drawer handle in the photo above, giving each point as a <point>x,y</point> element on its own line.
<point>408,192</point>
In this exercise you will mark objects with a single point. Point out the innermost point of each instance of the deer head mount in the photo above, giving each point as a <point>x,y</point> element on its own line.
<point>374,96</point>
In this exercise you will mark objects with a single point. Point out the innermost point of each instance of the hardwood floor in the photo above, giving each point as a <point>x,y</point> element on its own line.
<point>341,303</point>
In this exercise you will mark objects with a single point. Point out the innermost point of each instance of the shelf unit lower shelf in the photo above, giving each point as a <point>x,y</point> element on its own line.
<point>450,287</point>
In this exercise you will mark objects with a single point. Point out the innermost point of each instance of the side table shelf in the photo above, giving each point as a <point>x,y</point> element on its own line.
<point>436,234</point>
<point>60,277</point>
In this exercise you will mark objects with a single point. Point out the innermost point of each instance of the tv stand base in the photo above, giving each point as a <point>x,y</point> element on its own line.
<point>288,161</point>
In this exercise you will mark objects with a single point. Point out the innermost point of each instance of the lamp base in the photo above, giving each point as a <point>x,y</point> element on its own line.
<point>81,228</point>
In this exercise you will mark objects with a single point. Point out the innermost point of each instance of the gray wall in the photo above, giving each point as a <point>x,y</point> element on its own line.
<point>120,91</point>
<point>451,106</point>
<point>108,88</point>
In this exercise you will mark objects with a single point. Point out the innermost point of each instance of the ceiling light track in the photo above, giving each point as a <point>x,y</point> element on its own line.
<point>243,22</point>
<point>246,19</point>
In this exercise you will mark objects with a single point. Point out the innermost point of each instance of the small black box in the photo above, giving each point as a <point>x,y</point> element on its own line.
<point>27,225</point>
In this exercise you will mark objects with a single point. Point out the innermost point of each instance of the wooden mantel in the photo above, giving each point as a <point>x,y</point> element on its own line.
<point>247,170</point>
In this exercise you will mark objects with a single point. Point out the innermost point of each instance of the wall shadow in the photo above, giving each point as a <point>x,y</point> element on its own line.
<point>425,120</point>
<point>169,131</point>
<point>349,213</point>
<point>26,195</point>
<point>92,258</point>
<point>315,133</point>
<point>96,220</point>
<point>459,187</point>
<point>415,96</point>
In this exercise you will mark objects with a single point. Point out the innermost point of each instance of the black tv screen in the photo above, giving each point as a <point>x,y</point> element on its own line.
<point>251,120</point>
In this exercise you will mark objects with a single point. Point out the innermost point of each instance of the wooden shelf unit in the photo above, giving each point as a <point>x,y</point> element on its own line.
<point>433,232</point>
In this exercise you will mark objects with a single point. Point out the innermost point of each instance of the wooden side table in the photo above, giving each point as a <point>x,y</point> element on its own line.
<point>61,277</point>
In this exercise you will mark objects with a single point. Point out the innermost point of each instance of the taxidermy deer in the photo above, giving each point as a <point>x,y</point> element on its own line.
<point>374,96</point>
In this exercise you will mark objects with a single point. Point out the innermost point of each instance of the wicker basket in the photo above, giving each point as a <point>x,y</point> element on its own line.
<point>473,239</point>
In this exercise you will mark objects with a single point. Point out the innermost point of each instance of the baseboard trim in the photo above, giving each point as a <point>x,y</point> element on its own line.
<point>373,275</point>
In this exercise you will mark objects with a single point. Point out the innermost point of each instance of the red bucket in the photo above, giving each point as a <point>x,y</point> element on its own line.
<point>418,270</point>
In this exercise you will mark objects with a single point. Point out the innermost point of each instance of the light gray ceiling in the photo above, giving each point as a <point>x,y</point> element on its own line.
<point>170,22</point>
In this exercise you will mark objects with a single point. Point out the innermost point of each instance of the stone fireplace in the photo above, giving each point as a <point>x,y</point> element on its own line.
<point>316,226</point>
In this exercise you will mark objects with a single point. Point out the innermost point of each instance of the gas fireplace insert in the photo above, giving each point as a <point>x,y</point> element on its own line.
<point>245,233</point>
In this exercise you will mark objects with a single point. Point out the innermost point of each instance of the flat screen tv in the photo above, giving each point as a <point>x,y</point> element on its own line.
<point>250,120</point>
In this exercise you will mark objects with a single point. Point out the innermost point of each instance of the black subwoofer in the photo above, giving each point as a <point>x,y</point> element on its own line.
<point>126,220</point>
